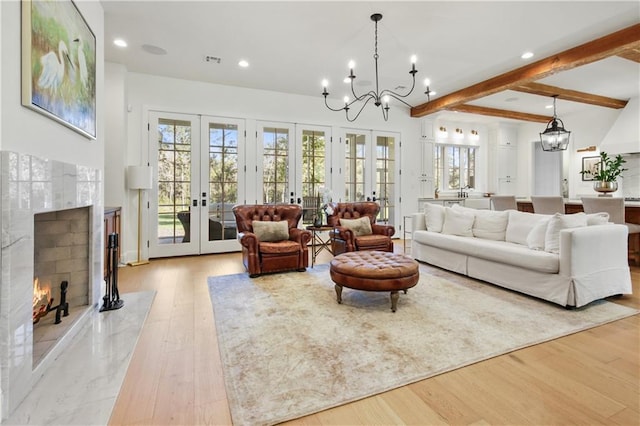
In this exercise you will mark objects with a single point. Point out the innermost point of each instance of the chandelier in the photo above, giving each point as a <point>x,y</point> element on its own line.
<point>379,98</point>
<point>555,137</point>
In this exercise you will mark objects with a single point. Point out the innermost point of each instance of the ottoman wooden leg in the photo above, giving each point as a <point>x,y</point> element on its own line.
<point>339,292</point>
<point>394,300</point>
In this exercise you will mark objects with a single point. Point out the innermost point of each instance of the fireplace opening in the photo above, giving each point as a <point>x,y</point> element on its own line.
<point>61,275</point>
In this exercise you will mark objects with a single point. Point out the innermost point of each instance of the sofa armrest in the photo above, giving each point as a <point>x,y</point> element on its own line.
<point>592,249</point>
<point>418,222</point>
<point>342,233</point>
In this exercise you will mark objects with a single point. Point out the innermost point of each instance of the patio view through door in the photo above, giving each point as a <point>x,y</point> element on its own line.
<point>196,160</point>
<point>371,172</point>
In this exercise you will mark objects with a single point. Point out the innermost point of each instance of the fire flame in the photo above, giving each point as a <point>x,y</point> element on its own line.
<point>41,294</point>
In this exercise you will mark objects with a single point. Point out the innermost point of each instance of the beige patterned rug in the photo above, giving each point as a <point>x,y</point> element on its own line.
<point>289,349</point>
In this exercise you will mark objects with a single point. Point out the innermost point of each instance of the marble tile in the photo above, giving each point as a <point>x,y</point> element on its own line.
<point>81,386</point>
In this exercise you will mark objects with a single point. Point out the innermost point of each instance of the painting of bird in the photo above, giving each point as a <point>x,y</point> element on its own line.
<point>53,67</point>
<point>59,53</point>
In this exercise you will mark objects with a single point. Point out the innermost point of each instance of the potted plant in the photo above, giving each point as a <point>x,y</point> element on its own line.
<point>606,173</point>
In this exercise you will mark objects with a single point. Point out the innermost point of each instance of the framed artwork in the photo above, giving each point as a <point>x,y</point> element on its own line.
<point>59,64</point>
<point>590,166</point>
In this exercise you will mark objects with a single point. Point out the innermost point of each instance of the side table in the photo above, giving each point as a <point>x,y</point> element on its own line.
<point>317,242</point>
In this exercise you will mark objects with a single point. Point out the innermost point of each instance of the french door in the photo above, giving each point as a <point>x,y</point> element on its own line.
<point>371,171</point>
<point>197,160</point>
<point>293,165</point>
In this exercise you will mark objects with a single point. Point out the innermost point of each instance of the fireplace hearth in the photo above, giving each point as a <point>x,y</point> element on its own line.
<point>33,187</point>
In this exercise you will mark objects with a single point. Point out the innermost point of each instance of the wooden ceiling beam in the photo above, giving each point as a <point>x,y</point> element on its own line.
<point>631,54</point>
<point>502,113</point>
<point>570,95</point>
<point>595,50</point>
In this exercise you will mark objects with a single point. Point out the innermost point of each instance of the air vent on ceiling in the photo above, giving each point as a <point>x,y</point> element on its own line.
<point>214,59</point>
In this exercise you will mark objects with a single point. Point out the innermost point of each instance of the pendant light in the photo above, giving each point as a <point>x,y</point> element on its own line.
<point>555,137</point>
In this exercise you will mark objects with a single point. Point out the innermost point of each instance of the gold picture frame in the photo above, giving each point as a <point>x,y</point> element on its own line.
<point>59,64</point>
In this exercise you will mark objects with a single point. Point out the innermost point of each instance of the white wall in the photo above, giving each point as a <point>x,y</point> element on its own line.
<point>26,131</point>
<point>147,92</point>
<point>587,129</point>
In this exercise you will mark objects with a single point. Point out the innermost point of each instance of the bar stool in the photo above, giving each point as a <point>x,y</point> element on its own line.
<point>547,204</point>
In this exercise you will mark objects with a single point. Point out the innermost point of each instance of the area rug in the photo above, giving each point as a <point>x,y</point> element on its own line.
<point>289,349</point>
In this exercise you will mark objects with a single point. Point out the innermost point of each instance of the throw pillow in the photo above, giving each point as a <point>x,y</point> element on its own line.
<point>434,217</point>
<point>520,224</point>
<point>535,239</point>
<point>458,222</point>
<point>268,231</point>
<point>557,223</point>
<point>360,226</point>
<point>490,224</point>
<point>597,219</point>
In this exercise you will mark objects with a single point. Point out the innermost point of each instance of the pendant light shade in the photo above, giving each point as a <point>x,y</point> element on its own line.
<point>555,137</point>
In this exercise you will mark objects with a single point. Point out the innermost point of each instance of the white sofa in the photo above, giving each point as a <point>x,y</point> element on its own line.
<point>570,260</point>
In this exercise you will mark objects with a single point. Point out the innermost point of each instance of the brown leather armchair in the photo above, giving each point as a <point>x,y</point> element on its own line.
<point>344,240</point>
<point>260,257</point>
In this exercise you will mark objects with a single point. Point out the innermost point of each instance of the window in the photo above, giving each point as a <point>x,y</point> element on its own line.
<point>454,167</point>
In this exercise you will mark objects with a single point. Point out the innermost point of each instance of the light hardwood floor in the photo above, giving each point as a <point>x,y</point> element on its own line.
<point>175,375</point>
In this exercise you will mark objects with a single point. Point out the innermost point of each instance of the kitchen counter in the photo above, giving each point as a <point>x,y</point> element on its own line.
<point>631,208</point>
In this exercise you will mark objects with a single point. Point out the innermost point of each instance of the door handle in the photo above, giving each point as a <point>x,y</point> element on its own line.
<point>204,203</point>
<point>291,201</point>
<point>299,200</point>
<point>195,203</point>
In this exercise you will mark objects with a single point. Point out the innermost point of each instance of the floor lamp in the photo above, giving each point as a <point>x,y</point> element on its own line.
<point>139,177</point>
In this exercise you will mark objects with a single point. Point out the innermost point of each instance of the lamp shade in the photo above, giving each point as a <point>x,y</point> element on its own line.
<point>139,177</point>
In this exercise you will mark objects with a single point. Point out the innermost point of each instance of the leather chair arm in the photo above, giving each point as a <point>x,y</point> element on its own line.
<point>387,230</point>
<point>301,236</point>
<point>343,233</point>
<point>249,240</point>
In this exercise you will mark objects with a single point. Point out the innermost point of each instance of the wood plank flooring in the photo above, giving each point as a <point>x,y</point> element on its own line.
<point>175,375</point>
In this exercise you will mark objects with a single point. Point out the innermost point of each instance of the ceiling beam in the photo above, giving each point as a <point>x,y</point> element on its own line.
<point>595,50</point>
<point>570,95</point>
<point>631,54</point>
<point>494,112</point>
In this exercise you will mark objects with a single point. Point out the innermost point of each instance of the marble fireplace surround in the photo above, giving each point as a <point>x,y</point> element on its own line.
<point>31,185</point>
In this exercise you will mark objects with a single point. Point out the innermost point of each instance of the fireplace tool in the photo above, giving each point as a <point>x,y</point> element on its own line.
<point>111,299</point>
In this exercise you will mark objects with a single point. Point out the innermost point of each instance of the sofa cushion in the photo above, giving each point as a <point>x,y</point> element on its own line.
<point>434,217</point>
<point>279,247</point>
<point>490,224</point>
<point>520,224</point>
<point>597,219</point>
<point>497,251</point>
<point>558,222</point>
<point>271,231</point>
<point>360,226</point>
<point>458,222</point>
<point>535,239</point>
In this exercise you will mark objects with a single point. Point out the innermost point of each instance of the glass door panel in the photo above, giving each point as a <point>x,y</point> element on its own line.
<point>221,184</point>
<point>355,166</point>
<point>385,177</point>
<point>172,142</point>
<point>276,164</point>
<point>312,178</point>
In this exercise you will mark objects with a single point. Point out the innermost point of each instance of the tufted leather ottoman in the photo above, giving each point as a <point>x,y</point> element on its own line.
<point>374,271</point>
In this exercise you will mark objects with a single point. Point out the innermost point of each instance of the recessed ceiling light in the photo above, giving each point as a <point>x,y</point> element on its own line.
<point>243,63</point>
<point>548,106</point>
<point>120,42</point>
<point>527,55</point>
<point>346,80</point>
